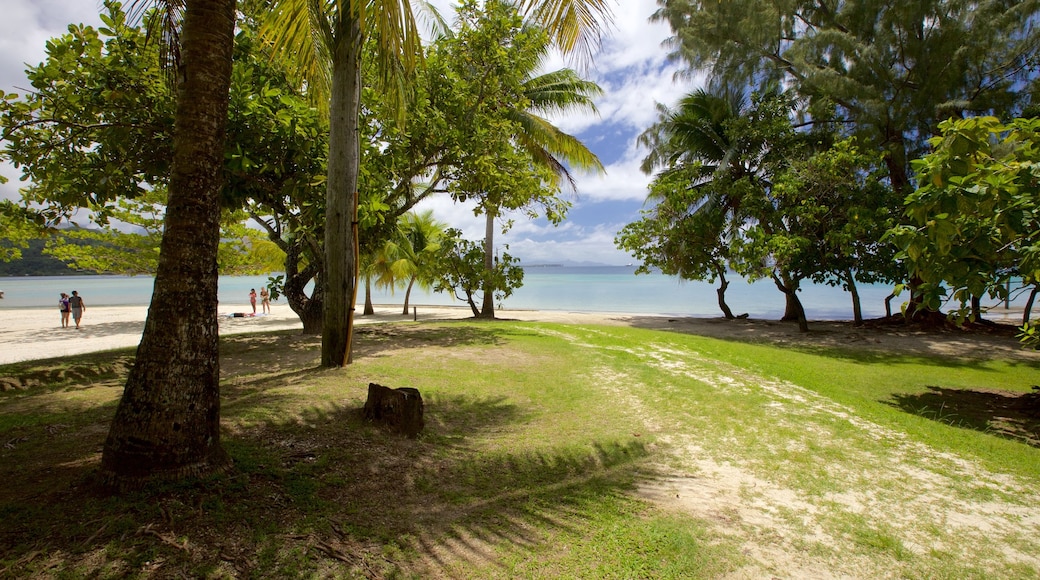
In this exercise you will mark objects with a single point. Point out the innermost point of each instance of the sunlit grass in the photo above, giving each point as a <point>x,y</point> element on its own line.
<point>539,441</point>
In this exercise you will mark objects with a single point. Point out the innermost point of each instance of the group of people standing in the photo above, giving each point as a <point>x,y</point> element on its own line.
<point>265,300</point>
<point>71,305</point>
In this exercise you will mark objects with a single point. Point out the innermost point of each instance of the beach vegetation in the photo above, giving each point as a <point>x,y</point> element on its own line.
<point>462,271</point>
<point>974,222</point>
<point>515,159</point>
<point>553,450</point>
<point>687,231</point>
<point>942,60</point>
<point>20,227</point>
<point>326,42</point>
<point>409,258</point>
<point>740,188</point>
<point>102,95</point>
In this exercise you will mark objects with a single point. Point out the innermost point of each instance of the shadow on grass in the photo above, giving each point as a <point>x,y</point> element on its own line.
<point>1014,416</point>
<point>873,343</point>
<point>318,493</point>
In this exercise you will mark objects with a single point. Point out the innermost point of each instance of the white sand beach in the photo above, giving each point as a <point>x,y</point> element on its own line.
<point>30,334</point>
<point>36,333</point>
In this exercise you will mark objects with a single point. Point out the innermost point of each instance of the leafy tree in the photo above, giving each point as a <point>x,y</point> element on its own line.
<point>18,227</point>
<point>838,208</point>
<point>975,219</point>
<point>888,71</point>
<point>696,214</point>
<point>462,271</point>
<point>95,135</point>
<point>97,126</point>
<point>415,249</point>
<point>167,423</point>
<point>677,241</point>
<point>328,41</point>
<point>512,158</point>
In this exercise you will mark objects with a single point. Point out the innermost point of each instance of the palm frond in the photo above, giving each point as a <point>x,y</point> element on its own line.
<point>574,26</point>
<point>165,18</point>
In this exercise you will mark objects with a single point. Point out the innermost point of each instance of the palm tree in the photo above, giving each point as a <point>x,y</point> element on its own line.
<point>549,147</point>
<point>167,423</point>
<point>328,38</point>
<point>418,239</point>
<point>698,141</point>
<point>691,145</point>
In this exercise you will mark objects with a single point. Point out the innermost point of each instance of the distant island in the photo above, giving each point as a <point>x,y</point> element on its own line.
<point>35,263</point>
<point>570,264</point>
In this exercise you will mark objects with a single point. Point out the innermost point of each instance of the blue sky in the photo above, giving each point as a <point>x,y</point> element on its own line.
<point>631,67</point>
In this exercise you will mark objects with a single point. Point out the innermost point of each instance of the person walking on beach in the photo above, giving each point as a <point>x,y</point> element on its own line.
<point>265,300</point>
<point>63,306</point>
<point>77,306</point>
<point>252,299</point>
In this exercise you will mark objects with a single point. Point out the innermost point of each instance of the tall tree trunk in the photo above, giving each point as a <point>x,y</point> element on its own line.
<point>408,295</point>
<point>794,310</point>
<point>487,309</point>
<point>1027,312</point>
<point>857,305</point>
<point>308,308</point>
<point>167,424</point>
<point>369,309</point>
<point>976,308</point>
<point>721,292</point>
<point>341,197</point>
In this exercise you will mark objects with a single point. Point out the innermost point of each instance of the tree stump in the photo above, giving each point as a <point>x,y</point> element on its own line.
<point>399,409</point>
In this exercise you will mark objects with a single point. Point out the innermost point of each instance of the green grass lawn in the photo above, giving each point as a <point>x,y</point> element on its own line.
<point>550,451</point>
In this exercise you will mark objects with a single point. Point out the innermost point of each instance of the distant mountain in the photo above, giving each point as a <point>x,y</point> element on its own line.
<point>570,264</point>
<point>35,263</point>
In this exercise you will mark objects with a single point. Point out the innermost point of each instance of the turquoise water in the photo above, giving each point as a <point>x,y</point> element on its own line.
<point>581,289</point>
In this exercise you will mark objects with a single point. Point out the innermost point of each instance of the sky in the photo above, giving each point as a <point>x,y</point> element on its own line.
<point>631,67</point>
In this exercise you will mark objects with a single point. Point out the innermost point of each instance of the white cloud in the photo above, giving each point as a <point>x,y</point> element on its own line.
<point>25,28</point>
<point>593,245</point>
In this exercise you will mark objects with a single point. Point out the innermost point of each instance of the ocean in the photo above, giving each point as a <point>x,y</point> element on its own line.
<point>578,289</point>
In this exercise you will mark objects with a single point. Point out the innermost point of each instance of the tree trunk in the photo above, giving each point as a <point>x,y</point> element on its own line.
<point>791,306</point>
<point>1029,305</point>
<point>369,309</point>
<point>167,423</point>
<point>408,294</point>
<point>487,309</point>
<point>341,198</point>
<point>857,305</point>
<point>794,309</point>
<point>976,308</point>
<point>308,308</point>
<point>721,292</point>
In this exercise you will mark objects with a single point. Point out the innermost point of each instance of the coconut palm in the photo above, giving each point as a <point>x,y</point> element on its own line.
<point>328,39</point>
<point>556,92</point>
<point>697,141</point>
<point>418,239</point>
<point>167,424</point>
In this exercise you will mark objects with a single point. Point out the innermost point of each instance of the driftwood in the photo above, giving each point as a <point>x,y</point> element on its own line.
<point>399,409</point>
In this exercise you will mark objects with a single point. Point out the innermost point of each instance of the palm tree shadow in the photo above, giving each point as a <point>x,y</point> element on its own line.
<point>442,489</point>
<point>1014,416</point>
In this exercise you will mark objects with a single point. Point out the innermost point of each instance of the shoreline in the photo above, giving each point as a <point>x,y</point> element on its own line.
<point>36,333</point>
